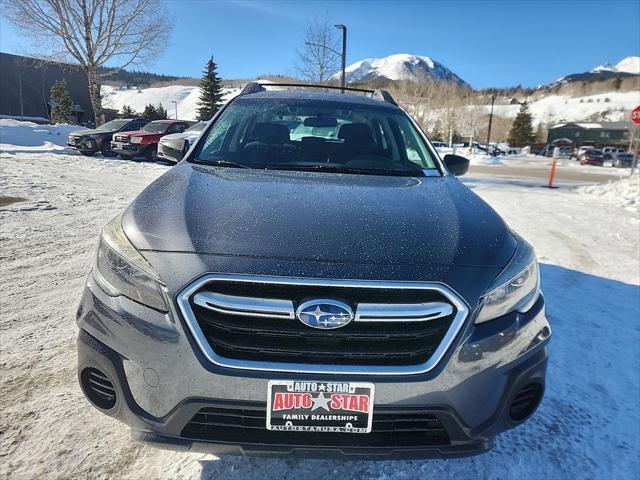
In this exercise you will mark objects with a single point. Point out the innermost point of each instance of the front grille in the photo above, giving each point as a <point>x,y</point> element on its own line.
<point>379,335</point>
<point>170,149</point>
<point>391,428</point>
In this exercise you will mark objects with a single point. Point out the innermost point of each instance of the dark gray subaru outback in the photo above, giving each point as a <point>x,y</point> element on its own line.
<point>313,280</point>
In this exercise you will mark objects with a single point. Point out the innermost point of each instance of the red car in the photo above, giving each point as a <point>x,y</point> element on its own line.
<point>144,143</point>
<point>591,157</point>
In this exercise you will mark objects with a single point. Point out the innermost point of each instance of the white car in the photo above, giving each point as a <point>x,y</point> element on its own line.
<point>173,147</point>
<point>613,150</point>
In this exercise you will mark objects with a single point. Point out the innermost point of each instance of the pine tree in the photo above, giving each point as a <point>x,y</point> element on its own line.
<point>210,91</point>
<point>61,102</point>
<point>128,112</point>
<point>154,112</point>
<point>521,133</point>
<point>542,133</point>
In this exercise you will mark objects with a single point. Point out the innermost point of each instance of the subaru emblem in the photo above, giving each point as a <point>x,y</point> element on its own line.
<point>324,314</point>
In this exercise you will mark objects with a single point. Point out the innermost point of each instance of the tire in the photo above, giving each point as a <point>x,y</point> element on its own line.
<point>86,154</point>
<point>151,154</point>
<point>125,157</point>
<point>105,150</point>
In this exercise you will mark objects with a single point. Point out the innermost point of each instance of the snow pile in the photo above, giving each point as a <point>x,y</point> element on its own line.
<point>402,66</point>
<point>186,98</point>
<point>622,193</point>
<point>16,135</point>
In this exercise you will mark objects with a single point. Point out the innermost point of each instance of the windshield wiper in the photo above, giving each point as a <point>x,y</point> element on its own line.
<point>223,163</point>
<point>337,169</point>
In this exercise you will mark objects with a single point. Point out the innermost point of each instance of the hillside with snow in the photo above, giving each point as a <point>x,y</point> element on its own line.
<point>610,107</point>
<point>186,98</point>
<point>401,66</point>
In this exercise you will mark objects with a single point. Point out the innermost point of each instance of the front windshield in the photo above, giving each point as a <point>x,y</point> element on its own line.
<point>113,125</point>
<point>316,135</point>
<point>198,127</point>
<point>154,127</point>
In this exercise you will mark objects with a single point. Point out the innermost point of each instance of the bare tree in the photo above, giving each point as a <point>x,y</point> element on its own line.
<point>94,33</point>
<point>319,57</point>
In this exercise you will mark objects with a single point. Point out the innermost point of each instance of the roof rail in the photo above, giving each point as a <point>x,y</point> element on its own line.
<point>385,96</point>
<point>379,94</point>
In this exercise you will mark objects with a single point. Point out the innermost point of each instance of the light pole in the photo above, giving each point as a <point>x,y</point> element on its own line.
<point>344,53</point>
<point>176,105</point>
<point>493,99</point>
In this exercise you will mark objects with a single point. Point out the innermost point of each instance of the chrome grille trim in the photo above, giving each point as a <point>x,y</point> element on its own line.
<point>245,306</point>
<point>397,312</point>
<point>184,296</point>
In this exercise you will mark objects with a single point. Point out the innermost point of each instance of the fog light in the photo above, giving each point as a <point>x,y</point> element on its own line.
<point>525,402</point>
<point>98,388</point>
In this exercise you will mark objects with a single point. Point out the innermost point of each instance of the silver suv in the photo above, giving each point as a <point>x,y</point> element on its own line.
<point>312,279</point>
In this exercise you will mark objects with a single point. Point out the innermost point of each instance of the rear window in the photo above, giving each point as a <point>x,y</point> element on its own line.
<point>316,135</point>
<point>154,127</point>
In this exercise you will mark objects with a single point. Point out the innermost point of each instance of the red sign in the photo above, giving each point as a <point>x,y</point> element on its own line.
<point>635,115</point>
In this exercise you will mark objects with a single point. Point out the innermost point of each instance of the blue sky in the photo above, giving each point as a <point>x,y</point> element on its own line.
<point>487,43</point>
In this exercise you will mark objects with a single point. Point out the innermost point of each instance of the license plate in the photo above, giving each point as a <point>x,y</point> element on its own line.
<point>309,406</point>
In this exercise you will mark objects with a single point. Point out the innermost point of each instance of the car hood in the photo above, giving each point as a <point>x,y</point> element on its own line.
<point>179,136</point>
<point>315,216</point>
<point>86,131</point>
<point>139,133</point>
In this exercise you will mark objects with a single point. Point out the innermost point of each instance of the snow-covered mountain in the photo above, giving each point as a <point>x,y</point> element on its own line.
<point>402,66</point>
<point>626,67</point>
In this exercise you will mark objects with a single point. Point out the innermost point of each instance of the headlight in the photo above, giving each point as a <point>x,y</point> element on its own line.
<point>135,139</point>
<point>121,270</point>
<point>517,288</point>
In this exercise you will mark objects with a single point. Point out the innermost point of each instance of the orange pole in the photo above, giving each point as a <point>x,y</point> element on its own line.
<point>552,173</point>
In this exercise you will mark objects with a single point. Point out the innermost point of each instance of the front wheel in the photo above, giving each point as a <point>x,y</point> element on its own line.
<point>105,150</point>
<point>151,155</point>
<point>86,154</point>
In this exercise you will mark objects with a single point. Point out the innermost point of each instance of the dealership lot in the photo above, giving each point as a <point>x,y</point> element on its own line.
<point>57,202</point>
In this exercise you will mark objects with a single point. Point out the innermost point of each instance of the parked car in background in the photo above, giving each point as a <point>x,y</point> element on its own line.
<point>623,159</point>
<point>89,142</point>
<point>581,150</point>
<point>591,157</point>
<point>144,142</point>
<point>612,150</point>
<point>174,146</point>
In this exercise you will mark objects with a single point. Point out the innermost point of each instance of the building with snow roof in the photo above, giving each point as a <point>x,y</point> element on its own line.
<point>598,134</point>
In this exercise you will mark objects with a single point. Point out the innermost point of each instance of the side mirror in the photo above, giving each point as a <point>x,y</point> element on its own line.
<point>456,164</point>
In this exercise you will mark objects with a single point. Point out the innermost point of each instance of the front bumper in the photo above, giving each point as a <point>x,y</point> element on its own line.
<point>87,146</point>
<point>170,151</point>
<point>132,150</point>
<point>161,381</point>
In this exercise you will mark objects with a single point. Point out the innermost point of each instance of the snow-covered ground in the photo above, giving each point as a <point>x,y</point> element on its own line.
<point>185,96</point>
<point>588,425</point>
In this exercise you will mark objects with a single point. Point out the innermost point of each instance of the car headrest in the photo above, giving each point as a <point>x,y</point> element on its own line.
<point>356,134</point>
<point>272,133</point>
